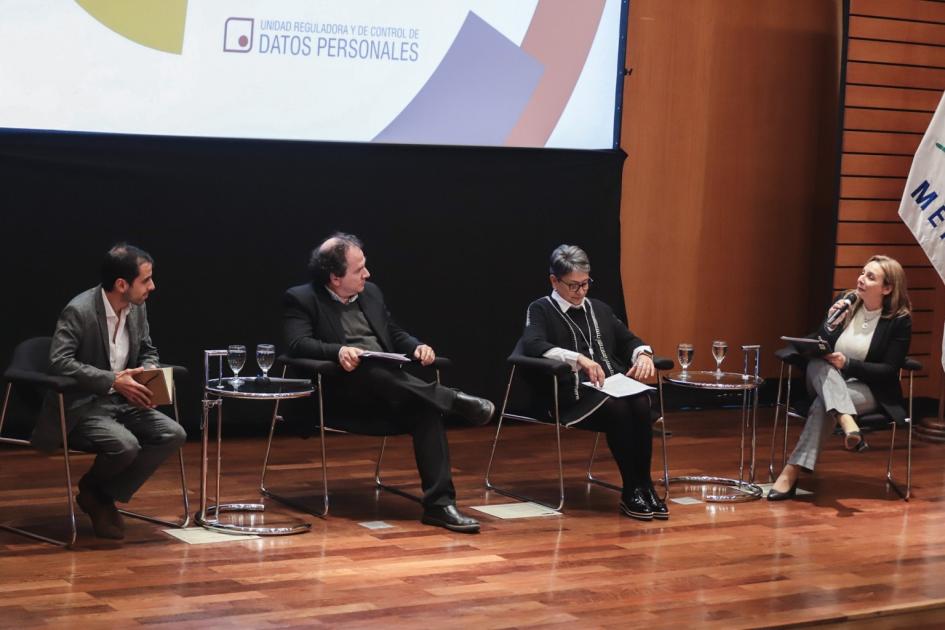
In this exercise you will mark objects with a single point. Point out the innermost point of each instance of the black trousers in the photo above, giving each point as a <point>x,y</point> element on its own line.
<point>626,423</point>
<point>379,398</point>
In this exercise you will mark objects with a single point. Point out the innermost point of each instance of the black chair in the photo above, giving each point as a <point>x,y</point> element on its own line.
<point>28,371</point>
<point>384,428</point>
<point>796,408</point>
<point>536,372</point>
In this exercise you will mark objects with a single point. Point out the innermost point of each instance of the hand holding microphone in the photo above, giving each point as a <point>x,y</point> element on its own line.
<point>839,310</point>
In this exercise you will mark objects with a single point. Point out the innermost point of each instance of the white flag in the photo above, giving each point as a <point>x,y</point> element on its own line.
<point>923,201</point>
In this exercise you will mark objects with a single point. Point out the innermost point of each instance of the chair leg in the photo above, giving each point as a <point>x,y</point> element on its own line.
<point>495,443</point>
<point>321,430</point>
<point>184,519</point>
<point>380,484</point>
<point>70,499</point>
<point>904,492</point>
<point>590,464</point>
<point>6,399</point>
<point>774,428</point>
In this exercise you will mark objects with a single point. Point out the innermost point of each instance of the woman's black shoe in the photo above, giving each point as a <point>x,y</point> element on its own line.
<point>635,505</point>
<point>656,504</point>
<point>859,446</point>
<point>774,495</point>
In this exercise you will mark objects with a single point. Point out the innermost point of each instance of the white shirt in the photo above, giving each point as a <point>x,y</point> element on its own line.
<point>118,343</point>
<point>855,340</point>
<point>570,356</point>
<point>339,299</point>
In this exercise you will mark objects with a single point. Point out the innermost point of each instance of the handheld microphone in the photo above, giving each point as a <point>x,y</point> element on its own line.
<point>848,300</point>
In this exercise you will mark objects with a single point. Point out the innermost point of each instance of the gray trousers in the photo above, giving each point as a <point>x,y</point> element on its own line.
<point>130,443</point>
<point>832,394</point>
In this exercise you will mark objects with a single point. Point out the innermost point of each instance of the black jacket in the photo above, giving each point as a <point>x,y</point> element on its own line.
<point>312,323</point>
<point>545,328</point>
<point>880,369</point>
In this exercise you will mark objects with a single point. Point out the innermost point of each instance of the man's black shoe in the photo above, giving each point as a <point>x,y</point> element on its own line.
<point>476,411</point>
<point>449,517</point>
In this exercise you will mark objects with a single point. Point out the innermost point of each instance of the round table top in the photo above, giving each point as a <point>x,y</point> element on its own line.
<point>710,379</point>
<point>260,388</point>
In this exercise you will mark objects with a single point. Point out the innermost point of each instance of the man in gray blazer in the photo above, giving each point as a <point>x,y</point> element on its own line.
<point>102,340</point>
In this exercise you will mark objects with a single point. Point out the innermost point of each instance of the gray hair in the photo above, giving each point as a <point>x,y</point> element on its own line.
<point>568,258</point>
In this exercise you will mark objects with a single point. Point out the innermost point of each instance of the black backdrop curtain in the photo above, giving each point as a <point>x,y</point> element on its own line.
<point>458,238</point>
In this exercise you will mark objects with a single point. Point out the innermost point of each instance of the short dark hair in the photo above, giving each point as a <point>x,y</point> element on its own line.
<point>332,259</point>
<point>122,261</point>
<point>568,258</point>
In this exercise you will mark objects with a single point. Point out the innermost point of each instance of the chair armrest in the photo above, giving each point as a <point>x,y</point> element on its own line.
<point>315,366</point>
<point>790,355</point>
<point>912,365</point>
<point>663,363</point>
<point>548,366</point>
<point>38,379</point>
<point>328,368</point>
<point>441,363</point>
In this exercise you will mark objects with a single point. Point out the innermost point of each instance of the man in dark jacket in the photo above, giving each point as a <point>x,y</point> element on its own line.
<point>338,317</point>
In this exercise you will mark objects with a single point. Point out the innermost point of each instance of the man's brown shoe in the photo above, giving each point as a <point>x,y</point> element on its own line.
<point>106,521</point>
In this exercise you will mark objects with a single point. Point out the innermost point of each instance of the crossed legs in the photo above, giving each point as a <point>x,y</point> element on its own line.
<point>835,400</point>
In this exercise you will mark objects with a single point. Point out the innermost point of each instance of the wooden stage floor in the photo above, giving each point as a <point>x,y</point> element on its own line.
<point>851,554</point>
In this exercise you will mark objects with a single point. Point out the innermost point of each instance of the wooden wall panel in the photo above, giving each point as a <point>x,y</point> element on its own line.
<point>876,165</point>
<point>732,142</point>
<point>881,142</point>
<point>922,277</point>
<point>915,10</point>
<point>872,188</point>
<point>892,97</point>
<point>868,210</point>
<point>904,54</point>
<point>895,74</point>
<point>853,232</point>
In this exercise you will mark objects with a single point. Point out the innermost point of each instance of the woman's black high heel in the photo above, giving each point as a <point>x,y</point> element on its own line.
<point>774,495</point>
<point>861,444</point>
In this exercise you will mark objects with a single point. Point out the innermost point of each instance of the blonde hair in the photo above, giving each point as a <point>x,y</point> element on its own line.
<point>896,303</point>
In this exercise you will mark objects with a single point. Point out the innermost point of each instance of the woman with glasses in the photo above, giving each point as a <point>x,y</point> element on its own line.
<point>568,326</point>
<point>870,341</point>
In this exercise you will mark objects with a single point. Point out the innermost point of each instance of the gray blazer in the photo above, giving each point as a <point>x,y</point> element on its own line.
<point>80,350</point>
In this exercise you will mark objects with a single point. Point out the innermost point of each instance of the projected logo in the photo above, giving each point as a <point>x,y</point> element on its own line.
<point>238,35</point>
<point>157,24</point>
<point>505,94</point>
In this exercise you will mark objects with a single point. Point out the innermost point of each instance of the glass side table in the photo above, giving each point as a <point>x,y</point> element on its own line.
<point>215,392</point>
<point>748,384</point>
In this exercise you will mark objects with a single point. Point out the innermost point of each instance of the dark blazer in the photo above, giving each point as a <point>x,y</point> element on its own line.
<point>880,369</point>
<point>545,329</point>
<point>80,350</point>
<point>312,323</point>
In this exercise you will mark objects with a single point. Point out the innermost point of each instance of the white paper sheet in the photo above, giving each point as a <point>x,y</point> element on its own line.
<point>388,356</point>
<point>620,385</point>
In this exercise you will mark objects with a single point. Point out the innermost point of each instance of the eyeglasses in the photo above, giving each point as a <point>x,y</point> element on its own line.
<point>574,287</point>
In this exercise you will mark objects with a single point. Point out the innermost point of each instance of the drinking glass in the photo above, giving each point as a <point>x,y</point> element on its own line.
<point>719,348</point>
<point>236,357</point>
<point>684,353</point>
<point>265,356</point>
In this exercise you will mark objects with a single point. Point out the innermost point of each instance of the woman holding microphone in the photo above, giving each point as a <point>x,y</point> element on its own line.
<point>870,341</point>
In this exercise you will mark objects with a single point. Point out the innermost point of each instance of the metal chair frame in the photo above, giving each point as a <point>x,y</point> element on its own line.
<point>70,498</point>
<point>589,475</point>
<point>324,368</point>
<point>784,406</point>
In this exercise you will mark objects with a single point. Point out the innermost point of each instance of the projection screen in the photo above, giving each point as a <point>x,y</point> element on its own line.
<point>520,73</point>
